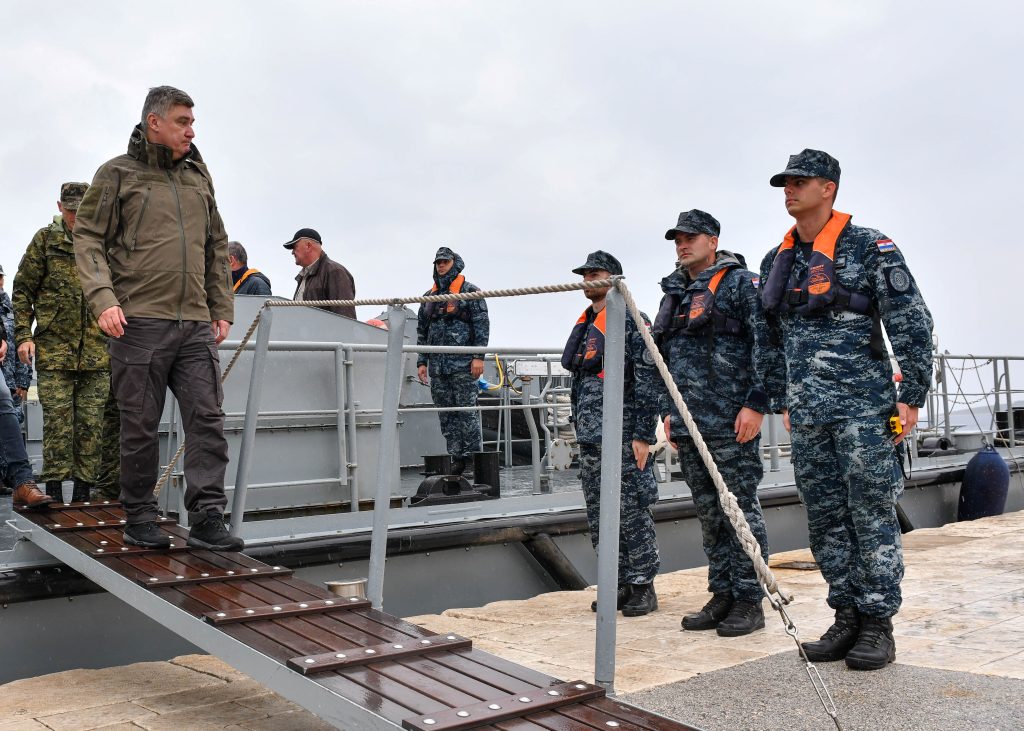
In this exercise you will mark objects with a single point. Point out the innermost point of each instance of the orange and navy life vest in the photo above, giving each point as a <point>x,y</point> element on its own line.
<point>584,351</point>
<point>243,278</point>
<point>819,290</point>
<point>701,312</point>
<point>456,309</point>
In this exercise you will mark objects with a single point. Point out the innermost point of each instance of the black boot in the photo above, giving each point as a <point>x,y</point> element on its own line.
<point>837,640</point>
<point>211,533</point>
<point>82,492</point>
<point>458,466</point>
<point>146,535</point>
<point>875,647</point>
<point>54,490</point>
<point>621,597</point>
<point>743,618</point>
<point>714,611</point>
<point>642,601</point>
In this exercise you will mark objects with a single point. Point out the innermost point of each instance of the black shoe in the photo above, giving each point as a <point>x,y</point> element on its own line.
<point>642,601</point>
<point>458,465</point>
<point>875,647</point>
<point>82,492</point>
<point>837,640</point>
<point>211,533</point>
<point>4,490</point>
<point>55,490</point>
<point>743,618</point>
<point>146,535</point>
<point>713,612</point>
<point>621,597</point>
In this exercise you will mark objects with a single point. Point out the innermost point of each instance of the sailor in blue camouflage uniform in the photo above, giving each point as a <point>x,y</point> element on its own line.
<point>642,397</point>
<point>712,332</point>
<point>453,377</point>
<point>829,287</point>
<point>17,374</point>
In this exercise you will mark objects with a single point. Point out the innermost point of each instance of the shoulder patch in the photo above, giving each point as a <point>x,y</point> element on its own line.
<point>899,279</point>
<point>756,281</point>
<point>885,245</point>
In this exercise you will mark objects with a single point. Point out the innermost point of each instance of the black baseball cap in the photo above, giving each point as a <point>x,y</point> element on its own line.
<point>304,233</point>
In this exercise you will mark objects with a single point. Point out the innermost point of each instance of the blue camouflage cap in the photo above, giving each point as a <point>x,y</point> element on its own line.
<point>808,164</point>
<point>599,260</point>
<point>694,222</point>
<point>444,254</point>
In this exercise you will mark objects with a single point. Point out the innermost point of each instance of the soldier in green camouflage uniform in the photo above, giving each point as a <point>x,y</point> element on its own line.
<point>72,365</point>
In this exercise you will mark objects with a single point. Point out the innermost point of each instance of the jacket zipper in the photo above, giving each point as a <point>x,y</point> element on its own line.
<point>184,249</point>
<point>142,213</point>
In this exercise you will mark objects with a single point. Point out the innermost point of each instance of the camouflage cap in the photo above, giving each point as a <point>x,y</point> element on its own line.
<point>1,270</point>
<point>71,194</point>
<point>694,222</point>
<point>444,254</point>
<point>808,164</point>
<point>599,260</point>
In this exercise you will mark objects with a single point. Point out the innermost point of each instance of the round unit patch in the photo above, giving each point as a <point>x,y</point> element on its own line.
<point>899,279</point>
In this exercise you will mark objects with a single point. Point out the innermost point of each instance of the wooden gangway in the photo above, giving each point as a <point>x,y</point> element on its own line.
<point>355,667</point>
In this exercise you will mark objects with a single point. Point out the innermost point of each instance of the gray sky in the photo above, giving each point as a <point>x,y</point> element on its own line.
<point>525,134</point>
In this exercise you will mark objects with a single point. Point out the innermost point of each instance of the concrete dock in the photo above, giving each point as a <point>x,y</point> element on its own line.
<point>960,655</point>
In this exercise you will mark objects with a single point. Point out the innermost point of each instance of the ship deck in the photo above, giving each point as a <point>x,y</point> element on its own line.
<point>960,655</point>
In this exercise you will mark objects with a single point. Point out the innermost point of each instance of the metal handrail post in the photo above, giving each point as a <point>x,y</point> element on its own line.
<point>1009,405</point>
<point>611,480</point>
<point>995,397</point>
<point>385,457</point>
<point>773,444</point>
<point>945,399</point>
<point>339,395</point>
<point>350,421</point>
<point>252,413</point>
<point>534,445</point>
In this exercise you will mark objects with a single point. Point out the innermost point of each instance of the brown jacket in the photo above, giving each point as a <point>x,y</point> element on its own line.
<point>329,280</point>
<point>149,238</point>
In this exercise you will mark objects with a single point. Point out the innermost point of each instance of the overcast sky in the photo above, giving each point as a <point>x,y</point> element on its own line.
<point>525,134</point>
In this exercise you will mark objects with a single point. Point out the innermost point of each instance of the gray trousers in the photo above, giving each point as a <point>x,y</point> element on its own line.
<point>152,356</point>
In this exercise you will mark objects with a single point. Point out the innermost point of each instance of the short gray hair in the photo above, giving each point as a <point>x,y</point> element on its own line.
<point>236,250</point>
<point>160,99</point>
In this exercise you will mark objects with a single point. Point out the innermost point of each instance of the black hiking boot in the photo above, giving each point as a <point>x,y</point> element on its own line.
<point>875,647</point>
<point>743,618</point>
<point>55,490</point>
<point>642,600</point>
<point>459,465</point>
<point>714,611</point>
<point>146,535</point>
<point>212,534</point>
<point>837,640</point>
<point>82,492</point>
<point>621,597</point>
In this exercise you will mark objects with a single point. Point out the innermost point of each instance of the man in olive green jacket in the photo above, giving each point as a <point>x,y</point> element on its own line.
<point>72,365</point>
<point>152,256</point>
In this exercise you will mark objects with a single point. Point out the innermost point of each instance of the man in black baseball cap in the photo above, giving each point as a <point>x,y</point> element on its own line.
<point>320,277</point>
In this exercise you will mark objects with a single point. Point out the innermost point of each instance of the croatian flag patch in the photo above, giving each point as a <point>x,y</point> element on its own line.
<point>756,281</point>
<point>885,245</point>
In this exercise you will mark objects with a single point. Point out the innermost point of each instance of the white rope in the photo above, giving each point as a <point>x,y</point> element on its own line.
<point>727,500</point>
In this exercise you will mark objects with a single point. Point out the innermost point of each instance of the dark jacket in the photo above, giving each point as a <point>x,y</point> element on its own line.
<point>256,283</point>
<point>149,238</point>
<point>329,280</point>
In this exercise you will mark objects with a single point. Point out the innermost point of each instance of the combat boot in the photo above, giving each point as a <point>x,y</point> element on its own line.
<point>82,492</point>
<point>875,647</point>
<point>211,533</point>
<point>621,597</point>
<point>146,535</point>
<point>28,495</point>
<point>458,466</point>
<point>743,618</point>
<point>837,640</point>
<point>713,612</point>
<point>642,601</point>
<point>55,490</point>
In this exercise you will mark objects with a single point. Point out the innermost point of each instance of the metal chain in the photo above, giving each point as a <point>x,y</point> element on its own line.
<point>777,596</point>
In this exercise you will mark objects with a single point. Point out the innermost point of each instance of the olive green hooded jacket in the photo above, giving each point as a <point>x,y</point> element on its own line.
<point>46,289</point>
<point>149,238</point>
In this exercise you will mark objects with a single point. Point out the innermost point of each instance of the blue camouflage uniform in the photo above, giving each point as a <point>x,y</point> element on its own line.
<point>840,395</point>
<point>642,395</point>
<point>720,365</point>
<point>463,323</point>
<point>16,374</point>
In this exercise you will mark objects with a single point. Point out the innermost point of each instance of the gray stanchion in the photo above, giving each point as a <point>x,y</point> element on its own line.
<point>252,413</point>
<point>385,458</point>
<point>611,480</point>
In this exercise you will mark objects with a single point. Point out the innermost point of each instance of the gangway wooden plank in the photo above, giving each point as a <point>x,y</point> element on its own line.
<point>376,653</point>
<point>259,617</point>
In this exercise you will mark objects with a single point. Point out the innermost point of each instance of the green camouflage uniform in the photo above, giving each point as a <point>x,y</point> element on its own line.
<point>72,365</point>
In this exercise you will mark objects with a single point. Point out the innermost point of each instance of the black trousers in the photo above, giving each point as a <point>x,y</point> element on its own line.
<point>152,356</point>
